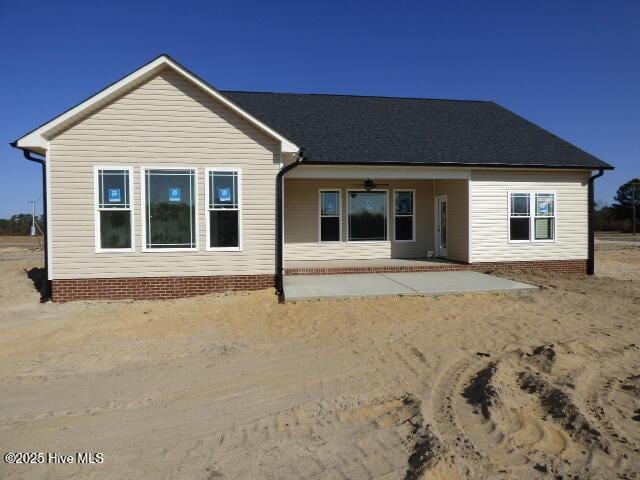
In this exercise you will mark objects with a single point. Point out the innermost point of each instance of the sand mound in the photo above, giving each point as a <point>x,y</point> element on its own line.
<point>518,416</point>
<point>543,356</point>
<point>558,404</point>
<point>426,449</point>
<point>481,391</point>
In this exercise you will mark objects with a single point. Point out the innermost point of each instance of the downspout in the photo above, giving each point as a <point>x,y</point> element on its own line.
<point>45,287</point>
<point>591,215</point>
<point>279,224</point>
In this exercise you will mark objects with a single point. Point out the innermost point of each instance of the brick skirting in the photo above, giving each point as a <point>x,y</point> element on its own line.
<point>560,266</point>
<point>433,267</point>
<point>142,288</point>
<point>563,266</point>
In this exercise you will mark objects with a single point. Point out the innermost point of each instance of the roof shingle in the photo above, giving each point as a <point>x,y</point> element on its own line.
<point>356,129</point>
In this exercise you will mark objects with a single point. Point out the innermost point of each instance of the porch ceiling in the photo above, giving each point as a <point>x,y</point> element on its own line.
<point>377,172</point>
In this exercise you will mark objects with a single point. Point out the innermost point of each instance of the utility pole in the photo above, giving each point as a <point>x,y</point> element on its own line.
<point>634,184</point>
<point>33,218</point>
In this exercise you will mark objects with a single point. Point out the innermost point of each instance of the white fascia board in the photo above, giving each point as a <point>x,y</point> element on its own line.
<point>38,138</point>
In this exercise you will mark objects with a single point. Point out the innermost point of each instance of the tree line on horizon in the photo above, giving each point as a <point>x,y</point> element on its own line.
<point>619,216</point>
<point>20,224</point>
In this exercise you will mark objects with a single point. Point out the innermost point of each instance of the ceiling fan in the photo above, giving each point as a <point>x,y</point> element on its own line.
<point>370,184</point>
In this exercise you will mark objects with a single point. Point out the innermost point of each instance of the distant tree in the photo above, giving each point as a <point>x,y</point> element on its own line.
<point>19,224</point>
<point>618,216</point>
<point>628,197</point>
<point>609,218</point>
<point>629,193</point>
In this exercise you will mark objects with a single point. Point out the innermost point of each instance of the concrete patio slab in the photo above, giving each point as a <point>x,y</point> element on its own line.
<point>437,283</point>
<point>297,287</point>
<point>305,287</point>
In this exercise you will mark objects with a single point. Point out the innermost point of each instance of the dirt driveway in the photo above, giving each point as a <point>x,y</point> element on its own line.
<point>239,387</point>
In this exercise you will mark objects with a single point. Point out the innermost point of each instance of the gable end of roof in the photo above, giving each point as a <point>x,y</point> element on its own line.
<point>38,138</point>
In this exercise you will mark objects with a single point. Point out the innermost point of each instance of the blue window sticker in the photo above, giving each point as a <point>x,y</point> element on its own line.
<point>224,194</point>
<point>114,195</point>
<point>174,194</point>
<point>544,206</point>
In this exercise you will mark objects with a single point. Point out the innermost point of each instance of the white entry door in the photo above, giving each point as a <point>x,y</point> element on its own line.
<point>441,227</point>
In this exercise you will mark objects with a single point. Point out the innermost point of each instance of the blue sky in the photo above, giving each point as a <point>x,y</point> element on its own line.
<point>573,67</point>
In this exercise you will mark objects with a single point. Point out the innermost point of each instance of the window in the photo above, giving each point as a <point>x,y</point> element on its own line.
<point>404,215</point>
<point>544,221</point>
<point>223,209</point>
<point>330,216</point>
<point>367,216</point>
<point>531,217</point>
<point>170,220</point>
<point>114,215</point>
<point>519,217</point>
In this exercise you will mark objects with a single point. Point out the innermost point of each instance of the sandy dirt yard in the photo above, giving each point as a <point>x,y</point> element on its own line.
<point>536,385</point>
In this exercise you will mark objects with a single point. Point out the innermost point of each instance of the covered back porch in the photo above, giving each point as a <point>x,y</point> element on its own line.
<point>367,219</point>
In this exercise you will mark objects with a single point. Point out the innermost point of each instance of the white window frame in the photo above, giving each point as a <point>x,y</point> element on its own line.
<point>208,209</point>
<point>362,190</point>
<point>97,209</point>
<point>320,190</point>
<point>413,215</point>
<point>143,216</point>
<point>532,215</point>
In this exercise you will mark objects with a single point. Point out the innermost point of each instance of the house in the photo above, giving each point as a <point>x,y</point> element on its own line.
<point>162,186</point>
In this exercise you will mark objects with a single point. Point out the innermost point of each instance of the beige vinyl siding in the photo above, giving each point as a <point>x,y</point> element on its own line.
<point>457,192</point>
<point>489,215</point>
<point>166,121</point>
<point>301,222</point>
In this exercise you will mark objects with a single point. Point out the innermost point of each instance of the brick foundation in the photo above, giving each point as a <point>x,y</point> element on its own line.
<point>142,288</point>
<point>560,266</point>
<point>563,266</point>
<point>433,267</point>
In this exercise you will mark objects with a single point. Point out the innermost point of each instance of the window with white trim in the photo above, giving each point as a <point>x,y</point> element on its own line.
<point>367,215</point>
<point>330,215</point>
<point>114,216</point>
<point>544,219</point>
<point>404,218</point>
<point>170,209</point>
<point>223,209</point>
<point>532,217</point>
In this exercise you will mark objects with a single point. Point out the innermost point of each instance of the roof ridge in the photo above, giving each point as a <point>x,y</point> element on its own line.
<point>360,96</point>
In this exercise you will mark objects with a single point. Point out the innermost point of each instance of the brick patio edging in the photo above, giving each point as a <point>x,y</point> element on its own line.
<point>145,288</point>
<point>562,266</point>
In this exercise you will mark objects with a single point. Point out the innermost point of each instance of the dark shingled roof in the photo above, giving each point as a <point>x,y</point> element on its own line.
<point>356,129</point>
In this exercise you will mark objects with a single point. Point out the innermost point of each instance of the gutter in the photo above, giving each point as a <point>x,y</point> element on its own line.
<point>591,261</point>
<point>45,285</point>
<point>535,166</point>
<point>279,223</point>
